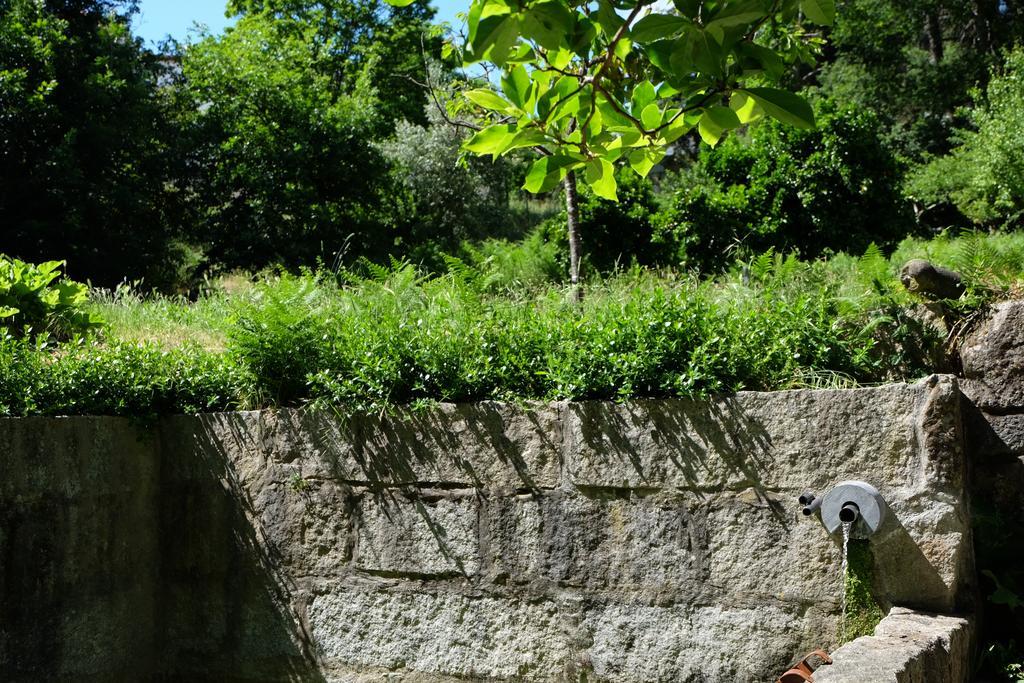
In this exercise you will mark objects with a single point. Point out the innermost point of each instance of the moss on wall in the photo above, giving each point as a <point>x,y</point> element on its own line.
<point>862,611</point>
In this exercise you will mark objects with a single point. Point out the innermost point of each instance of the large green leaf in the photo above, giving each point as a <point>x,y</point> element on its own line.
<point>641,162</point>
<point>660,54</point>
<point>545,173</point>
<point>707,53</point>
<point>715,122</point>
<point>738,13</point>
<point>643,95</point>
<point>549,23</point>
<point>784,106</point>
<point>821,12</point>
<point>600,176</point>
<point>745,107</point>
<point>607,18</point>
<point>651,116</point>
<point>528,137</point>
<point>556,95</point>
<point>494,37</point>
<point>657,26</point>
<point>488,99</point>
<point>757,56</point>
<point>516,85</point>
<point>491,140</point>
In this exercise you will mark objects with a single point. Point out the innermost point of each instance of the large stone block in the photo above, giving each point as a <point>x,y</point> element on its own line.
<point>762,550</point>
<point>695,644</point>
<point>488,445</point>
<point>306,527</point>
<point>907,647</point>
<point>456,636</point>
<point>75,456</point>
<point>425,535</point>
<point>898,435</point>
<point>652,545</point>
<point>993,359</point>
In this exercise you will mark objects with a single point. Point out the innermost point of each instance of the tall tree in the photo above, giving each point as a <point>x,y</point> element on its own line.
<point>356,38</point>
<point>85,166</point>
<point>282,113</point>
<point>916,62</point>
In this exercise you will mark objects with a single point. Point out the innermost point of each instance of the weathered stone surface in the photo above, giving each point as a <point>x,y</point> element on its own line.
<point>923,552</point>
<point>492,445</point>
<point>904,436</point>
<point>1007,433</point>
<point>308,526</point>
<point>642,544</point>
<point>993,359</point>
<point>422,536</point>
<point>684,643</point>
<point>443,633</point>
<point>907,647</point>
<point>904,439</point>
<point>762,550</point>
<point>75,457</point>
<point>78,549</point>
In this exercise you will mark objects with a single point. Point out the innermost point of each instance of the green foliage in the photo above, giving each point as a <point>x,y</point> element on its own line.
<point>448,199</point>
<point>586,87</point>
<point>115,379</point>
<point>984,175</point>
<point>34,301</point>
<point>362,39</point>
<point>862,611</point>
<point>915,63</point>
<point>86,169</point>
<point>280,334</point>
<point>835,188</point>
<point>282,166</point>
<point>394,336</point>
<point>517,266</point>
<point>617,233</point>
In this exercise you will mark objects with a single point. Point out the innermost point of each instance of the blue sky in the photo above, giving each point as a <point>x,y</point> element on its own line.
<point>159,18</point>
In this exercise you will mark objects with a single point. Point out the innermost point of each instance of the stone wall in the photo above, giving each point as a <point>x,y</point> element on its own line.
<point>907,647</point>
<point>653,540</point>
<point>78,549</point>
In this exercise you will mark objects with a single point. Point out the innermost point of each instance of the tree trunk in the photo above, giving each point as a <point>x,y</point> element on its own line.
<point>933,30</point>
<point>572,211</point>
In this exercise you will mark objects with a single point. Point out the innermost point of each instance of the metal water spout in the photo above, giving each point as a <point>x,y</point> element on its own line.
<point>856,503</point>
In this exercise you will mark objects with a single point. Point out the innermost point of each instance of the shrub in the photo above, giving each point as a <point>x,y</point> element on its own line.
<point>526,264</point>
<point>34,301</point>
<point>89,378</point>
<point>281,335</point>
<point>834,188</point>
<point>449,198</point>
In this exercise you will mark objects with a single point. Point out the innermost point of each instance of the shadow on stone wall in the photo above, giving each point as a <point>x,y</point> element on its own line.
<point>904,573</point>
<point>226,598</point>
<point>470,444</point>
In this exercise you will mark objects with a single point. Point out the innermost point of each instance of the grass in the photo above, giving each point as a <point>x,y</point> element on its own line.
<point>392,336</point>
<point>170,321</point>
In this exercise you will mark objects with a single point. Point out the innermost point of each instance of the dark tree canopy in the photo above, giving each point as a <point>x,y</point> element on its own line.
<point>85,169</point>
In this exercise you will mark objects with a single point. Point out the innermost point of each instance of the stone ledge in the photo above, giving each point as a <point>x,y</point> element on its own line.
<point>907,647</point>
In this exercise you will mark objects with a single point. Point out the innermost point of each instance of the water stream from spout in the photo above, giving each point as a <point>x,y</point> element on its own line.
<point>842,579</point>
